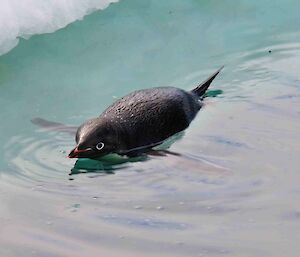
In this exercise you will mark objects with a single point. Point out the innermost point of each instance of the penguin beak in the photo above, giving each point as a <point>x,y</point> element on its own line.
<point>75,152</point>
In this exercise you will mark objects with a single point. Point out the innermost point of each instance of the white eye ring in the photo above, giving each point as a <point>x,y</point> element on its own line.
<point>99,146</point>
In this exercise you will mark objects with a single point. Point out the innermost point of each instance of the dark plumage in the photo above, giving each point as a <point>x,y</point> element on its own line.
<point>139,121</point>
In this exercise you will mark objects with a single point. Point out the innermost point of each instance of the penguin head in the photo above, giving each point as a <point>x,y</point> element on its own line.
<point>94,138</point>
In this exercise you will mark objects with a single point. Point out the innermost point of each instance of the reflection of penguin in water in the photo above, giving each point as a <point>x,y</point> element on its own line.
<point>139,121</point>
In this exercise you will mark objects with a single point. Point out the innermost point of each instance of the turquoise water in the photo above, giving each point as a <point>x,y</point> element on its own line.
<point>233,188</point>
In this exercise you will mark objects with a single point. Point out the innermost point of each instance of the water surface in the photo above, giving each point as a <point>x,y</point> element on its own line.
<point>232,189</point>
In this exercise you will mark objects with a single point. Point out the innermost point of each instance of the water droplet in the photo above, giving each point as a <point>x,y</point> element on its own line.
<point>138,207</point>
<point>160,208</point>
<point>74,207</point>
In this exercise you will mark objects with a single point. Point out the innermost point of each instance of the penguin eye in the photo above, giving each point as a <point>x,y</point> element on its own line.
<point>99,146</point>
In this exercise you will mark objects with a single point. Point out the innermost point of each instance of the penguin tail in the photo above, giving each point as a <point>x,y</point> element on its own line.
<point>202,88</point>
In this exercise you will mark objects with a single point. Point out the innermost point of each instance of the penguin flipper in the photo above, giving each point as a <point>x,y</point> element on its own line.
<point>201,89</point>
<point>54,126</point>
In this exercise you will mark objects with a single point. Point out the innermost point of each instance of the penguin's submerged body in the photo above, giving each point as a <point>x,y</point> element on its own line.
<point>139,121</point>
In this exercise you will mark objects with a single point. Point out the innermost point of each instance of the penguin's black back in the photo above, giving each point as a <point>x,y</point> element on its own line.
<point>151,115</point>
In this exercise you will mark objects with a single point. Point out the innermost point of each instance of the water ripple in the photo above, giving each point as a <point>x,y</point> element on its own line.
<point>36,159</point>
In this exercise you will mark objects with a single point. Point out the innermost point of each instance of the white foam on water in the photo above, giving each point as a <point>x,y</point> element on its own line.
<point>29,17</point>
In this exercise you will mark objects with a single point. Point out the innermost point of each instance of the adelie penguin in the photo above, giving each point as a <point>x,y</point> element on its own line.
<point>139,121</point>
